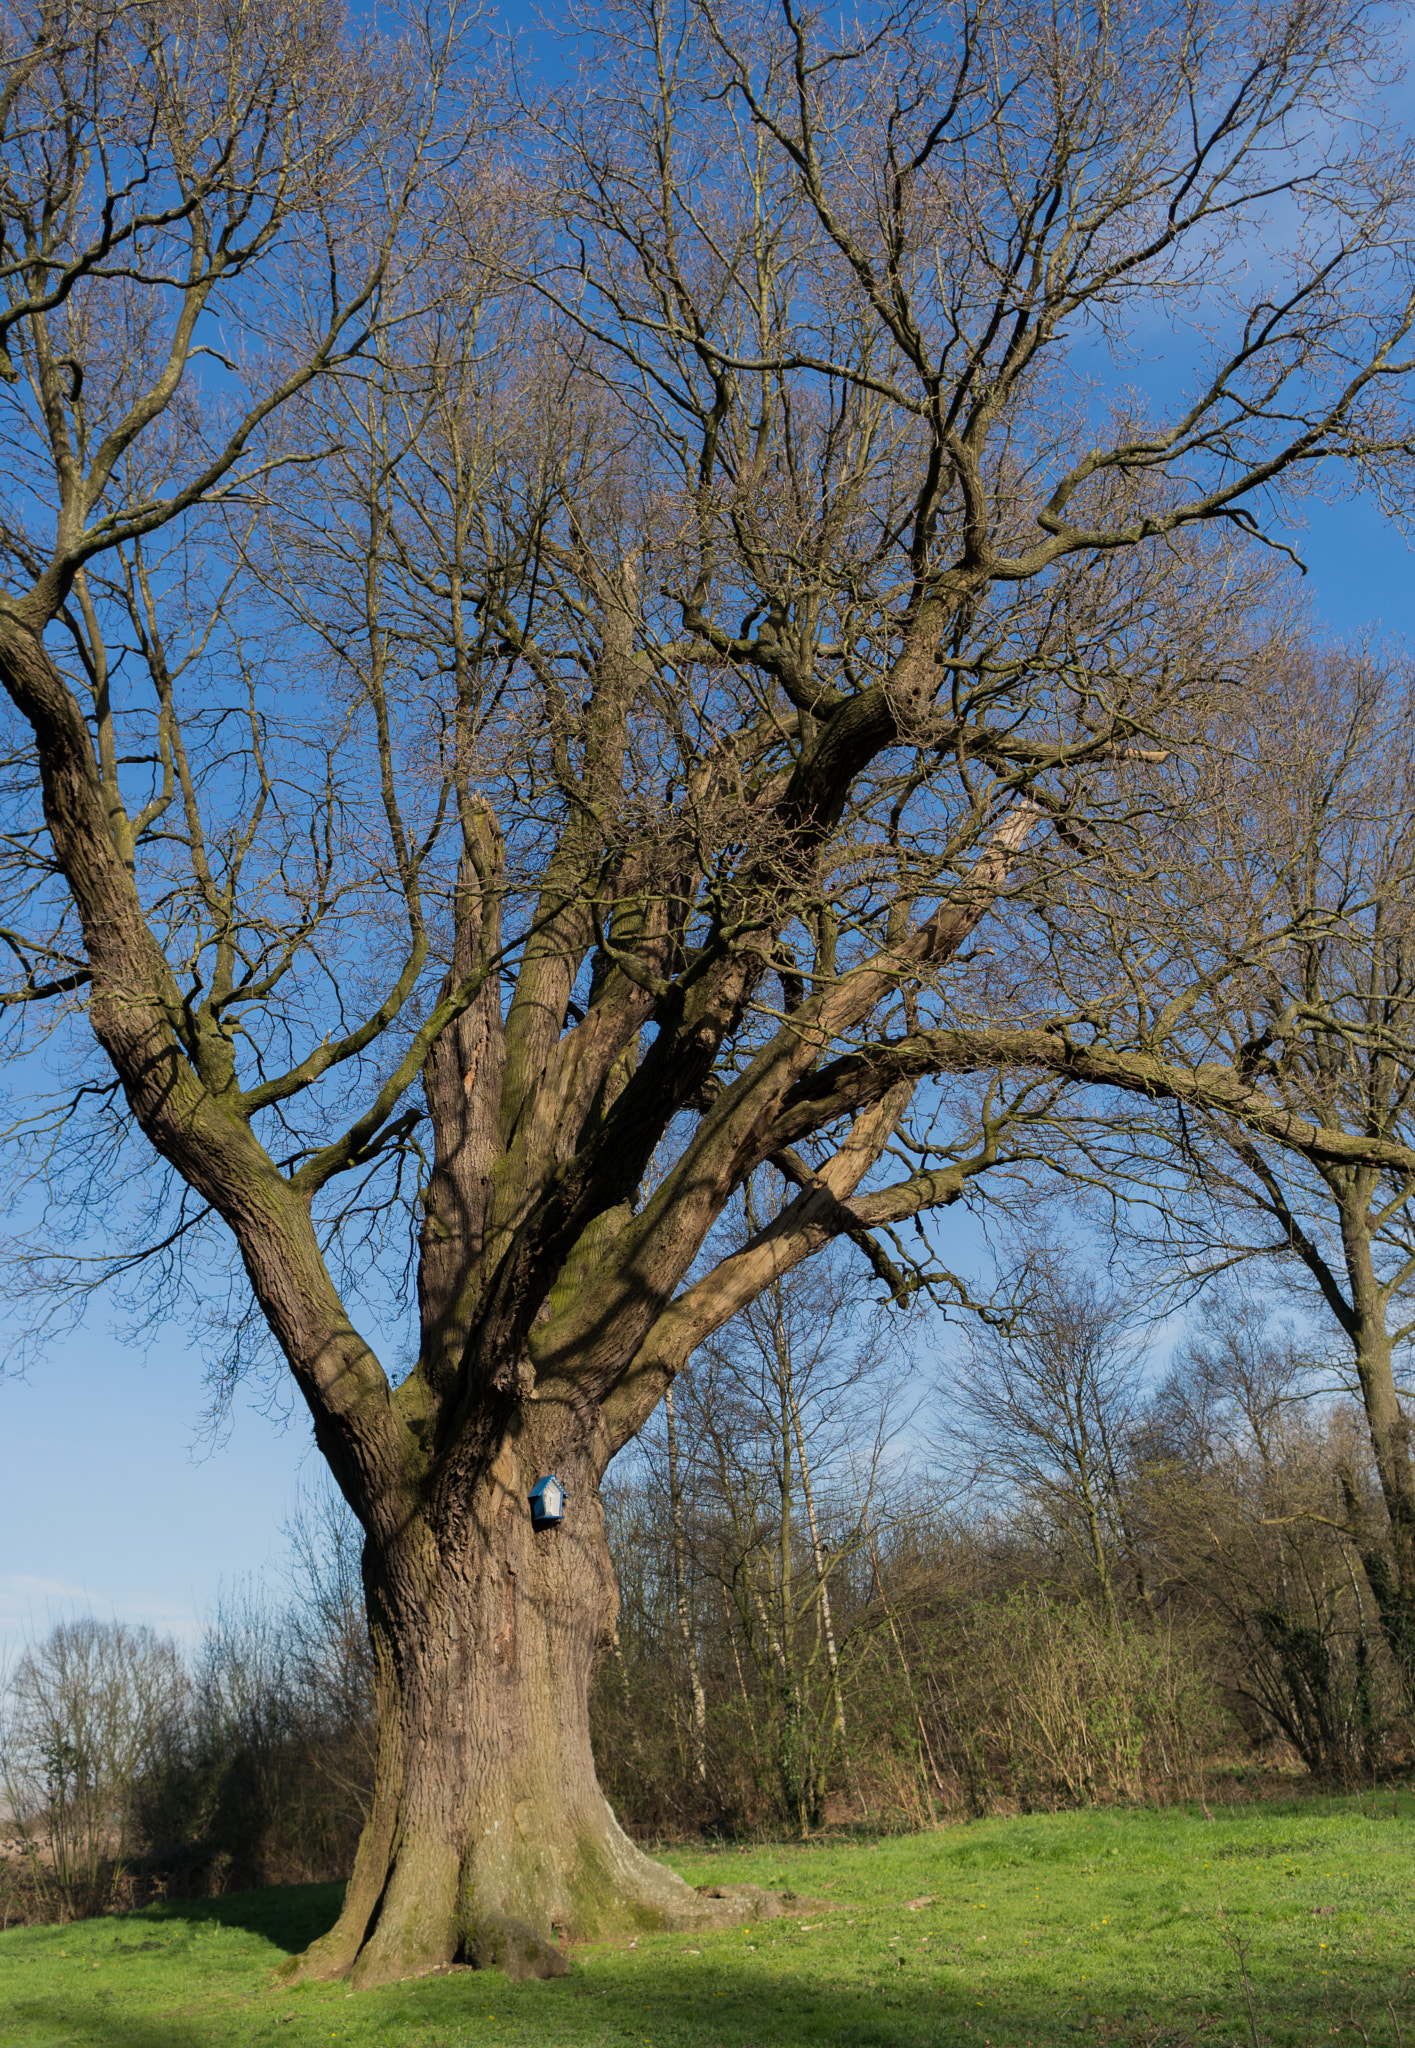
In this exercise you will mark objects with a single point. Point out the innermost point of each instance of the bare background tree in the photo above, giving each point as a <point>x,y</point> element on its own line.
<point>1239,1486</point>
<point>93,1712</point>
<point>1044,1404</point>
<point>1265,989</point>
<point>775,1454</point>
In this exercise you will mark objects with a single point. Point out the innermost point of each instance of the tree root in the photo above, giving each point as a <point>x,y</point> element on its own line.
<point>728,1905</point>
<point>513,1947</point>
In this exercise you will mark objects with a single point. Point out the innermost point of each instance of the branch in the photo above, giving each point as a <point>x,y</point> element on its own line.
<point>850,1083</point>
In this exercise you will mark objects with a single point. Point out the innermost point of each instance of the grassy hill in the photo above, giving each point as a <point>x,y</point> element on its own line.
<point>1285,1922</point>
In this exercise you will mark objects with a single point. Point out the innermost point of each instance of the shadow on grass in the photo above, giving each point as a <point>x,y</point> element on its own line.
<point>51,2020</point>
<point>674,2009</point>
<point>289,1916</point>
<point>891,2013</point>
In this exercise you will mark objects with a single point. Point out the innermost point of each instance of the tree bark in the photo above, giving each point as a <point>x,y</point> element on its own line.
<point>489,1841</point>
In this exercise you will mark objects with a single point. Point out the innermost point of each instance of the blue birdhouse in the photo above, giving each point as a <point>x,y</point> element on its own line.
<point>547,1502</point>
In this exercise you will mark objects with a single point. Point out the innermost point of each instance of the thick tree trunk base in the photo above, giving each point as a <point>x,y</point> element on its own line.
<point>613,1891</point>
<point>489,1841</point>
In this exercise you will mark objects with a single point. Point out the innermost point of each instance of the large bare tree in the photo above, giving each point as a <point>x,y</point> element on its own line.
<point>529,669</point>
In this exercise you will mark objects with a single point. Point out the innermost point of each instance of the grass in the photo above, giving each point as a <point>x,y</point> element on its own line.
<point>1131,1927</point>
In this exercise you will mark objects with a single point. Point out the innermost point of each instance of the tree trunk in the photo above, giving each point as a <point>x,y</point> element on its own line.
<point>680,1597</point>
<point>489,1840</point>
<point>1391,1576</point>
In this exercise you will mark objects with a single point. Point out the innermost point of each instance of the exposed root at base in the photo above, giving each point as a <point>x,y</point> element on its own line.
<point>514,1947</point>
<point>728,1905</point>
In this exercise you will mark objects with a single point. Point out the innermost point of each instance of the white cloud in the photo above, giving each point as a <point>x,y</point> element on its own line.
<point>30,1605</point>
<point>23,1586</point>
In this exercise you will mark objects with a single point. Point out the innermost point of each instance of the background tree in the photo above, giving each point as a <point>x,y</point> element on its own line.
<point>758,1484</point>
<point>789,1408</point>
<point>1266,987</point>
<point>1238,1484</point>
<point>1041,1407</point>
<point>88,1714</point>
<point>533,738</point>
<point>1334,1005</point>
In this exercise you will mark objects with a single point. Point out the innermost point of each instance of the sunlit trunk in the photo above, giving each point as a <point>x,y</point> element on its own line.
<point>489,1840</point>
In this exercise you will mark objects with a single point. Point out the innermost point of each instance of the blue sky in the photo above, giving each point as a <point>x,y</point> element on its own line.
<point>113,1503</point>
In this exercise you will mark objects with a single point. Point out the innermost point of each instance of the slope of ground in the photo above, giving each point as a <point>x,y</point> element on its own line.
<point>1276,1923</point>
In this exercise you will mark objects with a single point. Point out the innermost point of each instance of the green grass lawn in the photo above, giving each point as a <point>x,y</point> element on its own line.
<point>1131,1926</point>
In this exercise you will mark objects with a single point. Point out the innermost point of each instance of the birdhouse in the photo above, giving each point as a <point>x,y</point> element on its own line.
<point>547,1502</point>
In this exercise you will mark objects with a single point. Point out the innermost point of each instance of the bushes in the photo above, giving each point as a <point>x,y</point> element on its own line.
<point>959,1704</point>
<point>95,1711</point>
<point>131,1771</point>
<point>1047,1704</point>
<point>130,1775</point>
